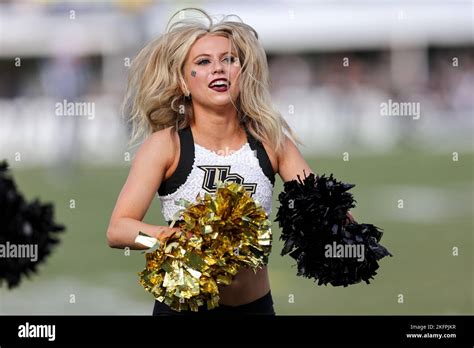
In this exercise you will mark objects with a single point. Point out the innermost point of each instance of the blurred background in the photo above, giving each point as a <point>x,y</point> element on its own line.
<point>380,92</point>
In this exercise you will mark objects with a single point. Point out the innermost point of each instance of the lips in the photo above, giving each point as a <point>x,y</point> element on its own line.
<point>221,82</point>
<point>220,85</point>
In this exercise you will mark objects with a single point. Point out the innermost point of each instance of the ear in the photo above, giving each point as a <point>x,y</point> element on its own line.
<point>183,86</point>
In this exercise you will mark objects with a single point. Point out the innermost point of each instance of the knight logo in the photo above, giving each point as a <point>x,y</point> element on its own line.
<point>212,174</point>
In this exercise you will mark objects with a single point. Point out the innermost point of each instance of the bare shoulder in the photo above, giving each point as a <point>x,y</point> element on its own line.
<point>289,148</point>
<point>291,162</point>
<point>159,147</point>
<point>275,157</point>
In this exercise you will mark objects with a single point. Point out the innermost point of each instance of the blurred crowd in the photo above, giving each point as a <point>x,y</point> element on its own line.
<point>332,98</point>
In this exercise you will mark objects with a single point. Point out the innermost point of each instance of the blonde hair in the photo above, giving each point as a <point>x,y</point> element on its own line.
<point>154,98</point>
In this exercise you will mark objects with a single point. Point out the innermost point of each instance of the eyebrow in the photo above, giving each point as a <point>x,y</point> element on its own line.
<point>208,55</point>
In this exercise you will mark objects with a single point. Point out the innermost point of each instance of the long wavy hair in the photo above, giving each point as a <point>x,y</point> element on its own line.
<point>155,99</point>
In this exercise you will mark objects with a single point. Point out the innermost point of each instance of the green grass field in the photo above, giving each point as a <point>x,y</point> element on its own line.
<point>85,276</point>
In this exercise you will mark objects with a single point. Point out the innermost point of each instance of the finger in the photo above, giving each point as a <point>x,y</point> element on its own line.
<point>350,217</point>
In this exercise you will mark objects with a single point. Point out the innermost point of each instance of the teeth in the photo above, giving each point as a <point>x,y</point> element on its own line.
<point>219,83</point>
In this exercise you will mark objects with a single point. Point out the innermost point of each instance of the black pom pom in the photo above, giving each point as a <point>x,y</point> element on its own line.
<point>25,228</point>
<point>313,216</point>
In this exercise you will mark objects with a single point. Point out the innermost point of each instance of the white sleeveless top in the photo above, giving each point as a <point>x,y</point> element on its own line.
<point>199,169</point>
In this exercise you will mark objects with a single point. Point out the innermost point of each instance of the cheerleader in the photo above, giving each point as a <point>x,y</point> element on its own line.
<point>200,96</point>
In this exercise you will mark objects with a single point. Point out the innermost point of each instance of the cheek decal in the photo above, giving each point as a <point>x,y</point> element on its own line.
<point>193,73</point>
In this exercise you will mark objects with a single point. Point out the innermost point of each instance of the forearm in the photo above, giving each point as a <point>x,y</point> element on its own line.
<point>122,233</point>
<point>350,217</point>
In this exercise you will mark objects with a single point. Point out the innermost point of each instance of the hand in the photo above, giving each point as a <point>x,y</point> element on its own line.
<point>165,232</point>
<point>350,218</point>
<point>188,234</point>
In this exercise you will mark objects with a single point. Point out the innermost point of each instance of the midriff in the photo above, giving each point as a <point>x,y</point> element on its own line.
<point>247,286</point>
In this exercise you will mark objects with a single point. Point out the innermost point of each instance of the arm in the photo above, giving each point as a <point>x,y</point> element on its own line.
<point>291,164</point>
<point>144,179</point>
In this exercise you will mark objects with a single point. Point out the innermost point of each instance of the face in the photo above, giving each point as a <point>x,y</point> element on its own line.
<point>212,58</point>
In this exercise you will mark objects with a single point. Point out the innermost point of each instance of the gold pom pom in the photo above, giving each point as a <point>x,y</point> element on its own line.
<point>221,233</point>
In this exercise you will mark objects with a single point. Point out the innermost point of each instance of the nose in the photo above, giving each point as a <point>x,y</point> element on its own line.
<point>218,67</point>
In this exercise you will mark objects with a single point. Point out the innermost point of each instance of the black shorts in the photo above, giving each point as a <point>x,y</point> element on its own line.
<point>261,306</point>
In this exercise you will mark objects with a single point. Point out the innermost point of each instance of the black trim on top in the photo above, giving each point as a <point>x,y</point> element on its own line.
<point>262,156</point>
<point>185,163</point>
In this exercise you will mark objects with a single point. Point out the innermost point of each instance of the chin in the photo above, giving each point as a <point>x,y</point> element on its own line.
<point>221,101</point>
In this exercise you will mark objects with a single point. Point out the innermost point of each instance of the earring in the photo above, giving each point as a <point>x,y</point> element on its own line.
<point>187,96</point>
<point>179,118</point>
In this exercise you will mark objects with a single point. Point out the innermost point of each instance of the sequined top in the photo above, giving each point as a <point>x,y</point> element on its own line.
<point>199,169</point>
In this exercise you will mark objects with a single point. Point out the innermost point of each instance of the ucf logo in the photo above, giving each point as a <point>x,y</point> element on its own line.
<point>214,173</point>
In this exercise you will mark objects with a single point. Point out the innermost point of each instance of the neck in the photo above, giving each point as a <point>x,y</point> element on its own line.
<point>218,127</point>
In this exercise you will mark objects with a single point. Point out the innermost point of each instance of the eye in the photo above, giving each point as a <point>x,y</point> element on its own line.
<point>230,59</point>
<point>202,61</point>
